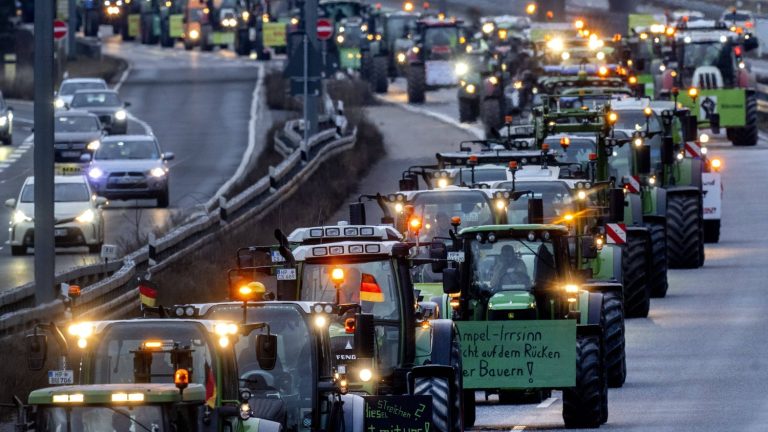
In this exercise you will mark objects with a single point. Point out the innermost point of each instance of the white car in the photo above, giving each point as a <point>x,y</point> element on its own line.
<point>738,18</point>
<point>77,214</point>
<point>70,86</point>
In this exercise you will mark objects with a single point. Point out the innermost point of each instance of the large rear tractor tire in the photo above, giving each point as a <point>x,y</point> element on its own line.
<point>685,242</point>
<point>657,273</point>
<point>583,404</point>
<point>634,265</point>
<point>747,135</point>
<point>490,113</point>
<point>469,110</point>
<point>417,84</point>
<point>712,231</point>
<point>380,74</point>
<point>613,330</point>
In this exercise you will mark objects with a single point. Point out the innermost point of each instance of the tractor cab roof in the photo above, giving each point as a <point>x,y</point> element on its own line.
<point>116,394</point>
<point>202,309</point>
<point>513,230</point>
<point>342,232</point>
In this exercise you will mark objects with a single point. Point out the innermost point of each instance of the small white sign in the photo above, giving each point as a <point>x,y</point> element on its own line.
<point>109,251</point>
<point>456,257</point>
<point>441,73</point>
<point>286,274</point>
<point>61,377</point>
<point>276,257</point>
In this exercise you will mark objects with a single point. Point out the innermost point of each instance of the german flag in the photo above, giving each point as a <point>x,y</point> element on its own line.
<point>210,386</point>
<point>148,295</point>
<point>370,290</point>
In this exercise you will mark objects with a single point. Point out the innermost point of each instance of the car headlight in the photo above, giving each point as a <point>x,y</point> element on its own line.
<point>87,216</point>
<point>121,115</point>
<point>461,68</point>
<point>157,172</point>
<point>95,173</point>
<point>3,121</point>
<point>58,103</point>
<point>94,145</point>
<point>19,217</point>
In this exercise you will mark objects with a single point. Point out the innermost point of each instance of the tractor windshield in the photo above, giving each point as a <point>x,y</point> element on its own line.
<point>556,197</point>
<point>577,152</point>
<point>717,54</point>
<point>510,264</point>
<point>620,161</point>
<point>440,36</point>
<point>289,384</point>
<point>398,26</point>
<point>113,357</point>
<point>437,208</point>
<point>105,418</point>
<point>338,11</point>
<point>373,284</point>
<point>635,120</point>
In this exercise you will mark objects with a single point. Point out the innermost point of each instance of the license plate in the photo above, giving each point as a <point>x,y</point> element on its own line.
<point>125,180</point>
<point>456,257</point>
<point>286,274</point>
<point>70,154</point>
<point>61,377</point>
<point>61,232</point>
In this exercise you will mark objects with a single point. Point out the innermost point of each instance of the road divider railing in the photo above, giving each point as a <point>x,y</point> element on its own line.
<point>109,290</point>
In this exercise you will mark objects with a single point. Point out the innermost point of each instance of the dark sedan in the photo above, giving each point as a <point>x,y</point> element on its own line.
<point>75,133</point>
<point>106,104</point>
<point>6,122</point>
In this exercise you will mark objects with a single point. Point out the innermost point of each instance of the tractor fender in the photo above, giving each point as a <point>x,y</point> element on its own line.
<point>594,308</point>
<point>604,287</point>
<point>695,167</point>
<point>354,412</point>
<point>659,201</point>
<point>443,332</point>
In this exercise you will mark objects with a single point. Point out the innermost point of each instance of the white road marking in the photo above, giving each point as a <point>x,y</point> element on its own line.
<point>519,427</point>
<point>123,77</point>
<point>5,165</point>
<point>142,123</point>
<point>547,403</point>
<point>255,114</point>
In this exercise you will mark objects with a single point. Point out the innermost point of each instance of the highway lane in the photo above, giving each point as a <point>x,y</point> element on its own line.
<point>198,105</point>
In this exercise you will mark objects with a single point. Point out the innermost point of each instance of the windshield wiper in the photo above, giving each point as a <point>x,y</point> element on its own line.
<point>130,418</point>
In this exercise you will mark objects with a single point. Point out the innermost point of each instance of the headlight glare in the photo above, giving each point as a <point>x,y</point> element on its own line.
<point>87,216</point>
<point>157,172</point>
<point>121,115</point>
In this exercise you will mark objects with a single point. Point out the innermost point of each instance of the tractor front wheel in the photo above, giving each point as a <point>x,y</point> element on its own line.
<point>657,273</point>
<point>747,135</point>
<point>490,112</point>
<point>379,74</point>
<point>468,109</point>
<point>685,241</point>
<point>583,404</point>
<point>417,84</point>
<point>613,329</point>
<point>634,265</point>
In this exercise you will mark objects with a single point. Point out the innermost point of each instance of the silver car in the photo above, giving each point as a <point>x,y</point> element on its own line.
<point>130,167</point>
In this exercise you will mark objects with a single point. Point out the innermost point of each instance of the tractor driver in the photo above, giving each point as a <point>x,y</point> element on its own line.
<point>509,269</point>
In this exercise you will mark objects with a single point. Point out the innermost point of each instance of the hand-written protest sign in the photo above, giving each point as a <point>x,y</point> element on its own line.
<point>398,414</point>
<point>518,354</point>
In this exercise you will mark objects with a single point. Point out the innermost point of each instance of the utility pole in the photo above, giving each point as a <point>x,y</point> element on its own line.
<point>72,21</point>
<point>310,46</point>
<point>45,254</point>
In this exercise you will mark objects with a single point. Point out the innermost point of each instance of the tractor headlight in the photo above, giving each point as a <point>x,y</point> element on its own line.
<point>461,68</point>
<point>194,34</point>
<point>401,57</point>
<point>571,288</point>
<point>121,115</point>
<point>470,88</point>
<point>365,375</point>
<point>87,216</point>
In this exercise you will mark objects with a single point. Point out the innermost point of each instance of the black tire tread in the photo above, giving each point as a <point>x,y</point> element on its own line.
<point>417,84</point>
<point>490,111</point>
<point>684,231</point>
<point>657,274</point>
<point>582,404</point>
<point>379,74</point>
<point>747,135</point>
<point>613,331</point>
<point>634,270</point>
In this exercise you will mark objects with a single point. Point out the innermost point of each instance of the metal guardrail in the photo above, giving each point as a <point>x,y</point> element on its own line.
<point>109,290</point>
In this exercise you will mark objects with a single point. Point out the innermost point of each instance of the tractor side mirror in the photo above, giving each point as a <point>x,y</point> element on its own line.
<point>667,150</point>
<point>365,336</point>
<point>714,122</point>
<point>357,213</point>
<point>535,211</point>
<point>751,43</point>
<point>37,351</point>
<point>690,128</point>
<point>588,247</point>
<point>451,284</point>
<point>266,351</point>
<point>616,205</point>
<point>439,253</point>
<point>643,154</point>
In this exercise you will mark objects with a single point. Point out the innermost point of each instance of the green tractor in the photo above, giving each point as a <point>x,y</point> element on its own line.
<point>431,59</point>
<point>386,56</point>
<point>155,352</point>
<point>525,321</point>
<point>363,273</point>
<point>124,407</point>
<point>171,23</point>
<point>711,62</point>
